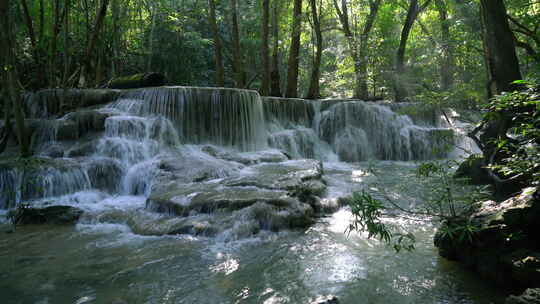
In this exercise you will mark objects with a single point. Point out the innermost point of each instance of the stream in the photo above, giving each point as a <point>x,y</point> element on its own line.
<point>156,170</point>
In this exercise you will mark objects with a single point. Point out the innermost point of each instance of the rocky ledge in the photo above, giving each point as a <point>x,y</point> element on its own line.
<point>237,202</point>
<point>504,244</point>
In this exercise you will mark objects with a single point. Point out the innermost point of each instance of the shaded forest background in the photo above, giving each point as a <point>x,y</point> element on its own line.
<point>430,49</point>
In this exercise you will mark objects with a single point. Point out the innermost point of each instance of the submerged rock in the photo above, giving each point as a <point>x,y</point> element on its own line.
<point>57,215</point>
<point>325,300</point>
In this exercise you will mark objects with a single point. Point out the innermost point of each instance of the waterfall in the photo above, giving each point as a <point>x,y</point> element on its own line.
<point>352,131</point>
<point>225,117</point>
<point>117,143</point>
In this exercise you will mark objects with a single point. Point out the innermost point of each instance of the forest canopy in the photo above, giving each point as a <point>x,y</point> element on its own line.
<point>402,49</point>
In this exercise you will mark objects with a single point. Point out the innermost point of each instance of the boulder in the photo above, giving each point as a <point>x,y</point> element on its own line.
<point>530,296</point>
<point>503,244</point>
<point>473,169</point>
<point>287,175</point>
<point>246,158</point>
<point>56,215</point>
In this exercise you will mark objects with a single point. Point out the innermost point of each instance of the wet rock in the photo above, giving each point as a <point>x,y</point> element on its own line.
<point>82,149</point>
<point>37,177</point>
<point>104,173</point>
<point>246,158</point>
<point>182,199</point>
<point>473,169</point>
<point>530,296</point>
<point>190,166</point>
<point>280,176</point>
<point>147,224</point>
<point>325,300</point>
<point>57,215</point>
<point>503,246</point>
<point>88,120</point>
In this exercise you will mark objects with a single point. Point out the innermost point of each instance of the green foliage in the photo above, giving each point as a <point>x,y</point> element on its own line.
<point>460,231</point>
<point>521,147</point>
<point>368,215</point>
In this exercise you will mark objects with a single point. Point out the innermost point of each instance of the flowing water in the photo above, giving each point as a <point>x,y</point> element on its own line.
<point>206,139</point>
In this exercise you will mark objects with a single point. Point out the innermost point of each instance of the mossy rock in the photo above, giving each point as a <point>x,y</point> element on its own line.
<point>137,81</point>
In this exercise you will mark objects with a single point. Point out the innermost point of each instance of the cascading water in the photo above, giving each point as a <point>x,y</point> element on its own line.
<point>189,197</point>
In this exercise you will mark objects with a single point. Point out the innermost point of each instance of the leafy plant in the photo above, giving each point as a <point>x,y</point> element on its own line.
<point>521,147</point>
<point>447,201</point>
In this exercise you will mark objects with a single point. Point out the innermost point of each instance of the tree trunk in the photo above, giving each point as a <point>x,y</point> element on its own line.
<point>7,55</point>
<point>265,52</point>
<point>501,62</point>
<point>238,65</point>
<point>358,46</point>
<point>275,81</point>
<point>218,57</point>
<point>447,62</point>
<point>153,12</point>
<point>499,47</point>
<point>87,63</point>
<point>314,85</point>
<point>400,83</point>
<point>294,52</point>
<point>361,64</point>
<point>503,69</point>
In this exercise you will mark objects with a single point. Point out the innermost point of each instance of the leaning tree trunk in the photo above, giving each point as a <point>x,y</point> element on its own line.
<point>294,52</point>
<point>275,80</point>
<point>314,84</point>
<point>218,57</point>
<point>400,82</point>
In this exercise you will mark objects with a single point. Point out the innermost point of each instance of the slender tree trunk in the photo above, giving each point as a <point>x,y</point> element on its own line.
<point>238,64</point>
<point>314,91</point>
<point>275,82</point>
<point>447,64</point>
<point>218,57</point>
<point>265,51</point>
<point>115,17</point>
<point>361,64</point>
<point>151,38</point>
<point>294,52</point>
<point>86,66</point>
